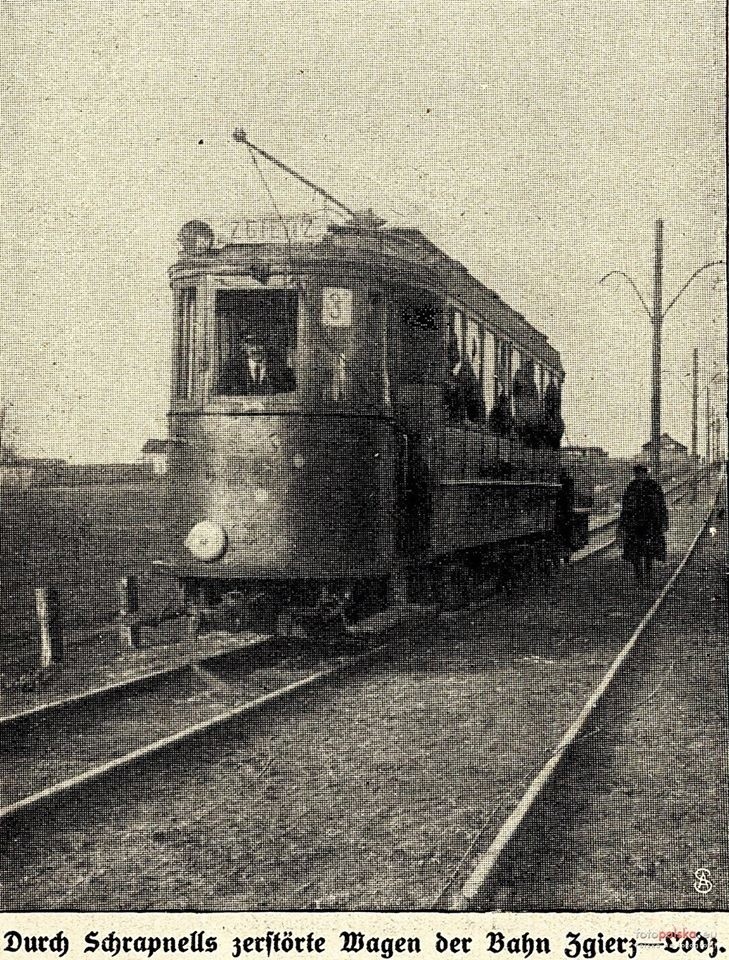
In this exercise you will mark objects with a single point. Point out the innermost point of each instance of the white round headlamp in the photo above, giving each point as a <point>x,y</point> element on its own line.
<point>207,540</point>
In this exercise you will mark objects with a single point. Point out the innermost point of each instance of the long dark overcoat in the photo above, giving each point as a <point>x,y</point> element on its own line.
<point>643,520</point>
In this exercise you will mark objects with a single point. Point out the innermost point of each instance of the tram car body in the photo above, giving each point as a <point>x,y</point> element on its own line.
<point>353,417</point>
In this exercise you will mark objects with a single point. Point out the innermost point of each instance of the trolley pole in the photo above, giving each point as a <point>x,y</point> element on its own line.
<point>657,321</point>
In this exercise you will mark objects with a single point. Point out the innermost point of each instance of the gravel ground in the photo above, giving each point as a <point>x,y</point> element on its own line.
<point>367,797</point>
<point>646,806</point>
<point>92,665</point>
<point>47,750</point>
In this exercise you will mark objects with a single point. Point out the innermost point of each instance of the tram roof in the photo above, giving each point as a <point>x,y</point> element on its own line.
<point>401,255</point>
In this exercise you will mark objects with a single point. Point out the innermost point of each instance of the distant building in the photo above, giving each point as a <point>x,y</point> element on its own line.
<point>154,453</point>
<point>594,455</point>
<point>42,469</point>
<point>673,453</point>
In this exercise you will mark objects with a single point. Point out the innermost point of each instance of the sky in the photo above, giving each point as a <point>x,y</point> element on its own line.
<point>536,142</point>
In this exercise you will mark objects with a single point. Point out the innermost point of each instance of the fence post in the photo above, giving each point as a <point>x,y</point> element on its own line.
<point>51,633</point>
<point>127,590</point>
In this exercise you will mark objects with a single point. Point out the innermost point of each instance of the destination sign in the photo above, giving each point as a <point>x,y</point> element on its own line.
<point>302,228</point>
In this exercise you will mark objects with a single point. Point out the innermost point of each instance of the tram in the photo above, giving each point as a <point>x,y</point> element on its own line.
<point>354,419</point>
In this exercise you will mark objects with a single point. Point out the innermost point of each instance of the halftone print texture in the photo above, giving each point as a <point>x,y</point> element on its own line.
<point>363,531</point>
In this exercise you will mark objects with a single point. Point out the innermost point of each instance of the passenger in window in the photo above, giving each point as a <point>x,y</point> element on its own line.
<point>552,423</point>
<point>450,387</point>
<point>470,390</point>
<point>527,413</point>
<point>254,370</point>
<point>500,419</point>
<point>463,395</point>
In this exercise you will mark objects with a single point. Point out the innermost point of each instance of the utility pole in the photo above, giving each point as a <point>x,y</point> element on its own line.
<point>717,439</point>
<point>695,409</point>
<point>657,320</point>
<point>657,316</point>
<point>708,429</point>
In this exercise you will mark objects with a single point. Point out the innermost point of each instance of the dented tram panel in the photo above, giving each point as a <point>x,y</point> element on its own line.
<point>299,496</point>
<point>354,466</point>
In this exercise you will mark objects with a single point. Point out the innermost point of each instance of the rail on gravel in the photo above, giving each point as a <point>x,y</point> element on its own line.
<point>483,879</point>
<point>373,634</point>
<point>76,783</point>
<point>370,640</point>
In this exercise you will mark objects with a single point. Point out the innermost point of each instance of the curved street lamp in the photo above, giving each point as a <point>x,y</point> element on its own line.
<point>656,316</point>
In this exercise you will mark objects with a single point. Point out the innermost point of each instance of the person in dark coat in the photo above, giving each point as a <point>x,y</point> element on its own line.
<point>643,523</point>
<point>500,419</point>
<point>462,391</point>
<point>255,371</point>
<point>527,413</point>
<point>470,395</point>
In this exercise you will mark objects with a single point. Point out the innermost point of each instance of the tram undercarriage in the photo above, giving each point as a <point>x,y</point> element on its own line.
<point>312,608</point>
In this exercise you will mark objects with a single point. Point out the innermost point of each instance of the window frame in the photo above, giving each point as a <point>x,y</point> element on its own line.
<point>214,402</point>
<point>187,323</point>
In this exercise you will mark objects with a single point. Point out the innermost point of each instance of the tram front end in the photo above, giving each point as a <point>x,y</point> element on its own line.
<point>281,462</point>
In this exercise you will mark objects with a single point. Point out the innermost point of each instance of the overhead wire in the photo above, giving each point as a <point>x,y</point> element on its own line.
<point>320,335</point>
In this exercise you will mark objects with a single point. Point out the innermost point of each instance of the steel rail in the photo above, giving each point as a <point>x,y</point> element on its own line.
<point>482,881</point>
<point>130,684</point>
<point>169,742</point>
<point>35,801</point>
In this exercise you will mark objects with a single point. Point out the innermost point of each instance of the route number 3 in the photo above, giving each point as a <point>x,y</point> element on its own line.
<point>336,307</point>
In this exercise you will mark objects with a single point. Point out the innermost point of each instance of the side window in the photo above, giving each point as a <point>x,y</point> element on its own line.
<point>527,411</point>
<point>463,393</point>
<point>417,316</point>
<point>454,344</point>
<point>501,417</point>
<point>488,370</point>
<point>514,374</point>
<point>552,423</point>
<point>454,350</point>
<point>503,368</point>
<point>186,326</point>
<point>539,377</point>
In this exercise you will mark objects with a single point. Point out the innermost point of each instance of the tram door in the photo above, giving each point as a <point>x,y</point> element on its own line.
<point>414,510</point>
<point>414,336</point>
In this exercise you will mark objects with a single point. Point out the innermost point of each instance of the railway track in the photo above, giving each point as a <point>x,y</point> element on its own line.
<point>187,701</point>
<point>481,883</point>
<point>62,747</point>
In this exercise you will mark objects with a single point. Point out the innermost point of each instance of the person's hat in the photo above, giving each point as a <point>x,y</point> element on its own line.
<point>640,468</point>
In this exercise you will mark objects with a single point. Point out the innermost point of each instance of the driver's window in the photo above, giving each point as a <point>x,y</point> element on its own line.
<point>255,342</point>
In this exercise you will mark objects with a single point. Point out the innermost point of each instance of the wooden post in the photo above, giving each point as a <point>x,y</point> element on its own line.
<point>51,633</point>
<point>193,624</point>
<point>129,633</point>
